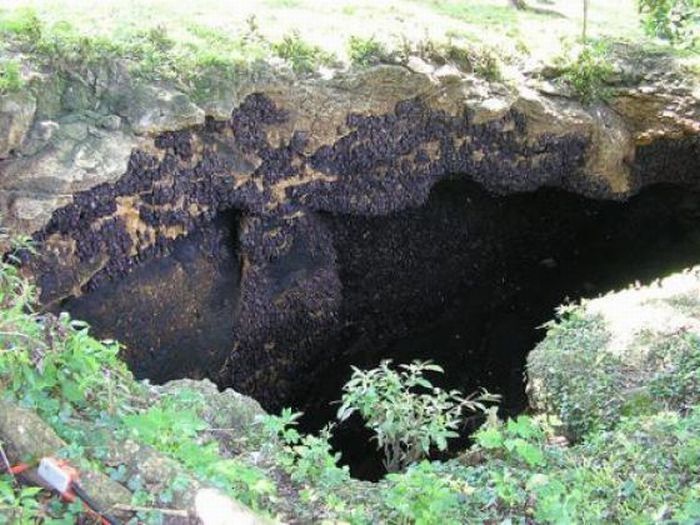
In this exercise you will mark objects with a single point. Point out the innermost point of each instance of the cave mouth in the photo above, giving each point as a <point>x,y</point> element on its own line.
<point>491,271</point>
<point>464,280</point>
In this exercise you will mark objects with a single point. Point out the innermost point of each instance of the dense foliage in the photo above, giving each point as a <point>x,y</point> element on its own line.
<point>590,388</point>
<point>674,20</point>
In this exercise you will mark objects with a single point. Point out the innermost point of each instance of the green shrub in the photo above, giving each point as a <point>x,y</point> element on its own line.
<point>405,411</point>
<point>307,458</point>
<point>520,438</point>
<point>421,496</point>
<point>23,24</point>
<point>673,20</point>
<point>302,56</point>
<point>589,72</point>
<point>578,376</point>
<point>570,378</point>
<point>18,505</point>
<point>487,64</point>
<point>366,51</point>
<point>10,77</point>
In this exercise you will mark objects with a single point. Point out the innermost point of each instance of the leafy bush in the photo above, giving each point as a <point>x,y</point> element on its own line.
<point>302,56</point>
<point>307,458</point>
<point>578,375</point>
<point>673,20</point>
<point>521,439</point>
<point>17,505</point>
<point>487,64</point>
<point>24,24</point>
<point>10,78</point>
<point>365,51</point>
<point>588,73</point>
<point>406,412</point>
<point>421,496</point>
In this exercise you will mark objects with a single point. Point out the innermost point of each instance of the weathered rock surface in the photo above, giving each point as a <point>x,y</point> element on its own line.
<point>16,116</point>
<point>81,148</point>
<point>152,110</point>
<point>142,176</point>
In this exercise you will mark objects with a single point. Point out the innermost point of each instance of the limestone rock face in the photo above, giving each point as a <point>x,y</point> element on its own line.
<point>220,211</point>
<point>69,156</point>
<point>16,117</point>
<point>152,110</point>
<point>78,148</point>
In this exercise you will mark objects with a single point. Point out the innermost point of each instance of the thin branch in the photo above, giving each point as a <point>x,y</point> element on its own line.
<point>24,336</point>
<point>167,512</point>
<point>3,456</point>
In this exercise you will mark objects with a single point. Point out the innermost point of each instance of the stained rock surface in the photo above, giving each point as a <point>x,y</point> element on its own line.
<point>225,226</point>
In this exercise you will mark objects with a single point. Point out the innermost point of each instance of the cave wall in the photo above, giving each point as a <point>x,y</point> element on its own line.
<point>273,279</point>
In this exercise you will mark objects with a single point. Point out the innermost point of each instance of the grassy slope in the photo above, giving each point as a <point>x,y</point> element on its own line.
<point>211,32</point>
<point>329,24</point>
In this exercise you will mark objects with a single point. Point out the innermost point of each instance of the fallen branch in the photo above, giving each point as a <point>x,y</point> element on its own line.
<point>166,512</point>
<point>3,456</point>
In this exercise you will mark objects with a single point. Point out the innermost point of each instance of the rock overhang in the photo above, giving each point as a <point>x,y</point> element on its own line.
<point>371,143</point>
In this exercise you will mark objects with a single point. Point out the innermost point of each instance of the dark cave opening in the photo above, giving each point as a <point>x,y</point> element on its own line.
<point>471,290</point>
<point>464,280</point>
<point>175,314</point>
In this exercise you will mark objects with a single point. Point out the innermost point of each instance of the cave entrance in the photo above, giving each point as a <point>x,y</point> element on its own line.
<point>464,280</point>
<point>467,281</point>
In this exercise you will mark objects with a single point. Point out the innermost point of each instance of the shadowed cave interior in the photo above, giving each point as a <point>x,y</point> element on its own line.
<point>464,280</point>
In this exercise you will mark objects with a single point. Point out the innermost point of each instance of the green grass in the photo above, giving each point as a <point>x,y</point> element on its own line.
<point>366,51</point>
<point>302,56</point>
<point>179,41</point>
<point>10,77</point>
<point>484,14</point>
<point>288,4</point>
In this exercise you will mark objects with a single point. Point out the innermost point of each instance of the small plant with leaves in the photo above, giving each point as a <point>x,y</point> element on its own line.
<point>589,72</point>
<point>421,495</point>
<point>18,505</point>
<point>366,51</point>
<point>302,56</point>
<point>521,439</point>
<point>408,414</point>
<point>10,77</point>
<point>307,458</point>
<point>673,20</point>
